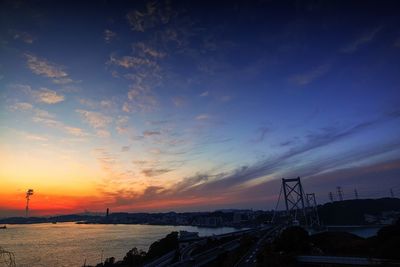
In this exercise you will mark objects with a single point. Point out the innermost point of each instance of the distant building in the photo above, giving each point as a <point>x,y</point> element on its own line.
<point>239,217</point>
<point>208,221</point>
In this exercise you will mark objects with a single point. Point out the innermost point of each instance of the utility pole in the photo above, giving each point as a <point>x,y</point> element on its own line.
<point>28,194</point>
<point>294,199</point>
<point>356,193</point>
<point>331,196</point>
<point>340,193</point>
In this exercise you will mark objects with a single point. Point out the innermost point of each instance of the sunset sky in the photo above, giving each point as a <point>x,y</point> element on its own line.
<point>187,106</point>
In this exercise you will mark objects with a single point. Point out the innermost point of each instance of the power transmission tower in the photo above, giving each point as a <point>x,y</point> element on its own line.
<point>391,192</point>
<point>331,196</point>
<point>294,200</point>
<point>28,194</point>
<point>312,210</point>
<point>339,193</point>
<point>356,193</point>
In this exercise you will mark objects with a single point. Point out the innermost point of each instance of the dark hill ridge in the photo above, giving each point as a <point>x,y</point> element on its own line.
<point>351,212</point>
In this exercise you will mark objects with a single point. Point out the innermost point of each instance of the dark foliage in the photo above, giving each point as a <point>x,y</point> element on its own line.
<point>136,257</point>
<point>351,212</point>
<point>163,246</point>
<point>387,242</point>
<point>293,240</point>
<point>341,243</point>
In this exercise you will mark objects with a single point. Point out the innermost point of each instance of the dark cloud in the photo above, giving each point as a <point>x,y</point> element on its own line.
<point>154,172</point>
<point>151,133</point>
<point>125,148</point>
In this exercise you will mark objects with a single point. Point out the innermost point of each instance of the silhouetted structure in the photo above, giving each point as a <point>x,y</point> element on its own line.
<point>28,194</point>
<point>339,193</point>
<point>331,196</point>
<point>294,200</point>
<point>107,212</point>
<point>356,193</point>
<point>313,218</point>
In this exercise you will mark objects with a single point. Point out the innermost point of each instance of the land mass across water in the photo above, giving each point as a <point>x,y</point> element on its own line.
<point>349,212</point>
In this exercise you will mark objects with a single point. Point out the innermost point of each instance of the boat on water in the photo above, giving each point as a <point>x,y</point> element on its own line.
<point>3,227</point>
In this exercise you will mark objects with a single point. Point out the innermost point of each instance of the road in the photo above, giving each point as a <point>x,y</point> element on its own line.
<point>250,258</point>
<point>201,259</point>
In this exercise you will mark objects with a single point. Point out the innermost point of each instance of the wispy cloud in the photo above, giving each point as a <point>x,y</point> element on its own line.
<point>202,117</point>
<point>226,98</point>
<point>65,80</point>
<point>223,182</point>
<point>178,101</point>
<point>43,67</point>
<point>122,126</point>
<point>140,98</point>
<point>95,119</point>
<point>204,94</point>
<point>42,95</point>
<point>155,13</point>
<point>48,96</point>
<point>35,137</point>
<point>23,36</point>
<point>131,62</point>
<point>75,131</point>
<point>24,106</point>
<point>109,35</point>
<point>154,172</point>
<point>261,133</point>
<point>125,148</point>
<point>367,37</point>
<point>52,122</point>
<point>151,133</point>
<point>308,77</point>
<point>107,160</point>
<point>146,50</point>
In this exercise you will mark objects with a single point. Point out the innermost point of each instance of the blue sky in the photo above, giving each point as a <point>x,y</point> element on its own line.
<point>166,105</point>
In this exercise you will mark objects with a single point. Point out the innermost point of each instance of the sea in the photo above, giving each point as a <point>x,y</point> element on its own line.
<point>70,244</point>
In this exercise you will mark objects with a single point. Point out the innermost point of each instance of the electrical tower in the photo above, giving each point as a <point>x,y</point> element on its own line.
<point>356,193</point>
<point>340,193</point>
<point>391,192</point>
<point>312,210</point>
<point>331,196</point>
<point>28,194</point>
<point>294,200</point>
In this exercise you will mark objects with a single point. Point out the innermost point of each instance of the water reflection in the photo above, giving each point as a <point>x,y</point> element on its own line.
<point>69,244</point>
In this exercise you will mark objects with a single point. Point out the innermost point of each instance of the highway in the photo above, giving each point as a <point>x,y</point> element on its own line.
<point>250,258</point>
<point>188,259</point>
<point>201,259</point>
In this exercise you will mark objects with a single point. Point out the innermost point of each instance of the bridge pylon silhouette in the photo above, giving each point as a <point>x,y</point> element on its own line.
<point>301,207</point>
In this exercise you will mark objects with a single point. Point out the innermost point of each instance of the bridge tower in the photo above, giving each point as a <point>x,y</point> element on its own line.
<point>312,210</point>
<point>294,200</point>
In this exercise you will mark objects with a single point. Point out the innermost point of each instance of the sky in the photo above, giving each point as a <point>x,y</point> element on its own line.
<point>195,106</point>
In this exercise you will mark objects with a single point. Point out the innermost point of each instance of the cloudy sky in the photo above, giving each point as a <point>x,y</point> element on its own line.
<point>185,106</point>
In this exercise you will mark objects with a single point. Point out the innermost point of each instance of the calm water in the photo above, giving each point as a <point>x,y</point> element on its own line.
<point>365,232</point>
<point>69,244</point>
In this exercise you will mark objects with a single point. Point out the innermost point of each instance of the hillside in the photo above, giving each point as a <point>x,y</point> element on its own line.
<point>351,212</point>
